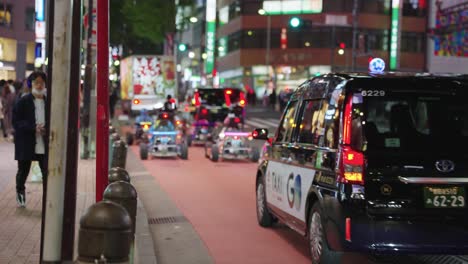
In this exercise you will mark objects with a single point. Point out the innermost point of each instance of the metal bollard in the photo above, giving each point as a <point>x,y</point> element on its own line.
<point>119,155</point>
<point>124,194</point>
<point>105,234</point>
<point>118,174</point>
<point>112,138</point>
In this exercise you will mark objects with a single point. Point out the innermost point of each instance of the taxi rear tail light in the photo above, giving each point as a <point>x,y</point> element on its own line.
<point>351,166</point>
<point>347,118</point>
<point>197,99</point>
<point>348,229</point>
<point>227,98</point>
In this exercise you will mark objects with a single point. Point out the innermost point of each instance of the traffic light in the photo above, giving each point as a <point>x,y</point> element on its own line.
<point>295,22</point>
<point>182,47</point>
<point>341,48</point>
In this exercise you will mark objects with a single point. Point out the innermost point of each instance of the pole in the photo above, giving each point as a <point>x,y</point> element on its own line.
<point>58,148</point>
<point>102,118</point>
<point>332,48</point>
<point>268,47</point>
<point>355,32</point>
<point>68,237</point>
<point>49,47</point>
<point>85,114</point>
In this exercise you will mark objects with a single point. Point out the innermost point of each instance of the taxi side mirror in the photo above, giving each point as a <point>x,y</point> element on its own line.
<point>260,133</point>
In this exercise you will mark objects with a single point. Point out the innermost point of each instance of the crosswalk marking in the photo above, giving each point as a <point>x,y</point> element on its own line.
<point>259,123</point>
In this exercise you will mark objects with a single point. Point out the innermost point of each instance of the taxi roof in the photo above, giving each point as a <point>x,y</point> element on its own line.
<point>396,75</point>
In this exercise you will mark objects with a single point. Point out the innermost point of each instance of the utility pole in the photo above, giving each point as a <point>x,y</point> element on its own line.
<point>102,117</point>
<point>87,85</point>
<point>58,147</point>
<point>49,49</point>
<point>355,33</point>
<point>68,237</point>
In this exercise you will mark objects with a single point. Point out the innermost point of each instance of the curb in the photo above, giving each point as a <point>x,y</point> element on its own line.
<point>144,245</point>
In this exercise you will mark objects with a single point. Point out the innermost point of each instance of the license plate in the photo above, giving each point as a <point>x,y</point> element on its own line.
<point>444,197</point>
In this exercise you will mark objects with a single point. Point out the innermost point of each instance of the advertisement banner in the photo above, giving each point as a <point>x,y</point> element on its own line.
<point>451,31</point>
<point>147,75</point>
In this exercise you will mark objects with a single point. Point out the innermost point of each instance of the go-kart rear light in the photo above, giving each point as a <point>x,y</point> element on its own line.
<point>236,134</point>
<point>136,101</point>
<point>165,133</point>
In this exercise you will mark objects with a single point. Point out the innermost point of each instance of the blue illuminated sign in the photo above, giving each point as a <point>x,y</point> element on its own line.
<point>377,65</point>
<point>40,10</point>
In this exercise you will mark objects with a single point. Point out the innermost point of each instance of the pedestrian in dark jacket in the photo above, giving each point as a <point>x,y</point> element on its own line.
<point>29,122</point>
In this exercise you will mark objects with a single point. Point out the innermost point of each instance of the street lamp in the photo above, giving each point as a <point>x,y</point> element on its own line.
<point>193,20</point>
<point>263,12</point>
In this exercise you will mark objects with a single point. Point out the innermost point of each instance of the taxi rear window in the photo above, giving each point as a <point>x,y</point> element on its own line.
<point>408,121</point>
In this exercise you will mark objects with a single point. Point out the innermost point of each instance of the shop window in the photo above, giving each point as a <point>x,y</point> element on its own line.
<point>30,18</point>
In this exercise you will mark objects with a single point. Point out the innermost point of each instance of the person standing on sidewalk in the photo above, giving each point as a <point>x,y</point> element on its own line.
<point>29,123</point>
<point>8,102</point>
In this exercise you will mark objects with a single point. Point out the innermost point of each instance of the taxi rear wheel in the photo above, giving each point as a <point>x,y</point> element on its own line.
<point>264,217</point>
<point>318,247</point>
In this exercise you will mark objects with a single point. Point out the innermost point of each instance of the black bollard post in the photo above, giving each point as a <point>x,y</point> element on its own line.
<point>118,174</point>
<point>124,194</point>
<point>105,234</point>
<point>119,156</point>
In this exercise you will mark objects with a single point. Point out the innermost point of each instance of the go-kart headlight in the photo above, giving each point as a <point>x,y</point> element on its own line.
<point>221,135</point>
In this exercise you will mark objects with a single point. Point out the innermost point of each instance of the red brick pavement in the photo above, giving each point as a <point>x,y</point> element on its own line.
<point>20,227</point>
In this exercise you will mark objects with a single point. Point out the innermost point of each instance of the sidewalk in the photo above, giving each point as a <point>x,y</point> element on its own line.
<point>21,227</point>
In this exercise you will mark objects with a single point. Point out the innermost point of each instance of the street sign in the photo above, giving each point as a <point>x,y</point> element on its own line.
<point>377,65</point>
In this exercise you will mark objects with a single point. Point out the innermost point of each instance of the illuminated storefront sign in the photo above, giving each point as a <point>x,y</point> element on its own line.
<point>40,10</point>
<point>210,35</point>
<point>278,7</point>
<point>395,34</point>
<point>222,49</point>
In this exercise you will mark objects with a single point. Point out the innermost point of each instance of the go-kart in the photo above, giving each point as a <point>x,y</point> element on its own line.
<point>164,139</point>
<point>140,129</point>
<point>231,143</point>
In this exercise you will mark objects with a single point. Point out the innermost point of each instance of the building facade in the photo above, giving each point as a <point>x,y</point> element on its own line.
<point>17,38</point>
<point>321,43</point>
<point>448,42</point>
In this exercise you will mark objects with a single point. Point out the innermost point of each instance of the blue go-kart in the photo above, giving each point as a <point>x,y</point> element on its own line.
<point>164,139</point>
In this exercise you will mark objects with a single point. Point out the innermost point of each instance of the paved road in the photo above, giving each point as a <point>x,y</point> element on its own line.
<point>218,199</point>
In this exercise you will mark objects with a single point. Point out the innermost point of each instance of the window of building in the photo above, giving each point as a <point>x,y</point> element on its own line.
<point>251,7</point>
<point>412,42</point>
<point>234,10</point>
<point>30,18</point>
<point>5,15</point>
<point>288,124</point>
<point>416,8</point>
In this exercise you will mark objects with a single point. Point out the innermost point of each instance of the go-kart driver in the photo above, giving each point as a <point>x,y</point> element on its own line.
<point>143,117</point>
<point>170,104</point>
<point>164,125</point>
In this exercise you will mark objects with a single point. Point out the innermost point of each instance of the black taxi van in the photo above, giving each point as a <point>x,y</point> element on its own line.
<point>370,163</point>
